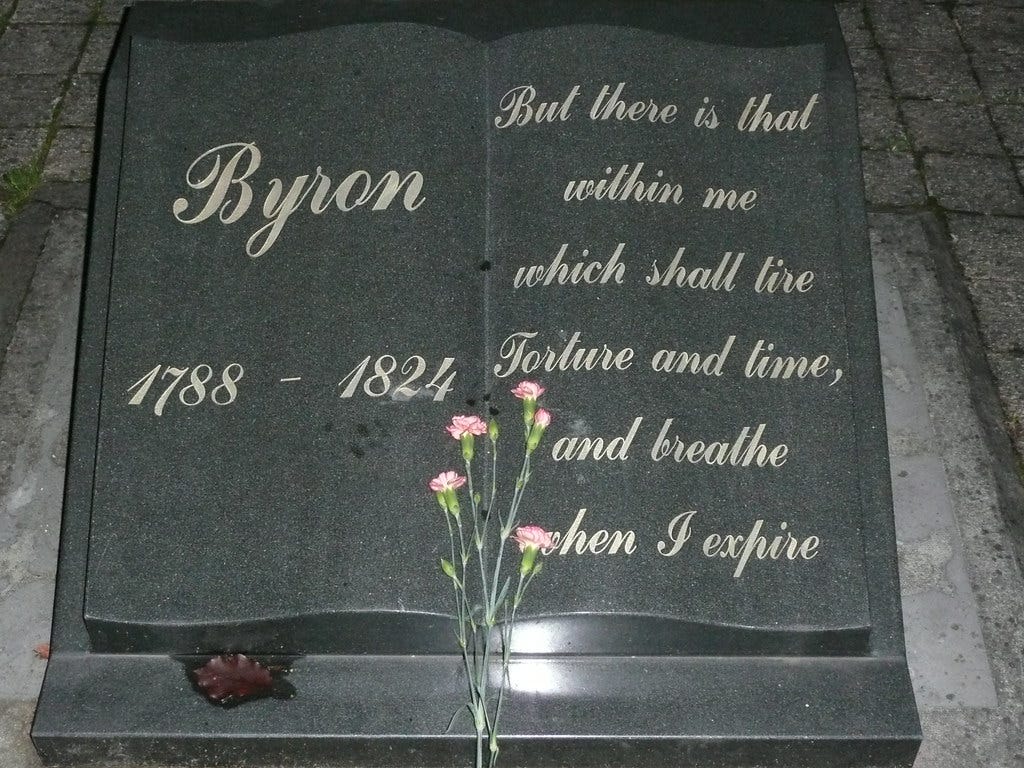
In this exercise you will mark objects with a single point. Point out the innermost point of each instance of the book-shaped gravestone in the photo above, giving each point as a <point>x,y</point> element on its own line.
<point>320,230</point>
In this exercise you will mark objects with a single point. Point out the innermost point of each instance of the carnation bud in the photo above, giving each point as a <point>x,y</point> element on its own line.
<point>452,501</point>
<point>529,558</point>
<point>541,420</point>
<point>529,408</point>
<point>448,568</point>
<point>492,430</point>
<point>536,433</point>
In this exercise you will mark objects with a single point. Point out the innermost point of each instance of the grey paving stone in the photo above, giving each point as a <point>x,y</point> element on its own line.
<point>1009,371</point>
<point>1000,309</point>
<point>1009,374</point>
<point>15,721</point>
<point>70,157</point>
<point>855,29</point>
<point>18,258</point>
<point>989,247</point>
<point>942,75</point>
<point>39,49</point>
<point>53,11</point>
<point>962,737</point>
<point>97,52</point>
<point>992,28</point>
<point>977,184</point>
<point>944,127</point>
<point>1000,75</point>
<point>869,70</point>
<point>27,100</point>
<point>890,178</point>
<point>1020,169</point>
<point>937,602</point>
<point>111,10</point>
<point>880,124</point>
<point>912,24</point>
<point>33,439</point>
<point>1009,120</point>
<point>64,194</point>
<point>996,3</point>
<point>19,145</point>
<point>81,101</point>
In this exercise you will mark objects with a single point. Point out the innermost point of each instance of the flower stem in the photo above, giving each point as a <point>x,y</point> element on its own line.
<point>460,608</point>
<point>491,601</point>
<point>479,535</point>
<point>507,525</point>
<point>494,490</point>
<point>478,673</point>
<point>506,652</point>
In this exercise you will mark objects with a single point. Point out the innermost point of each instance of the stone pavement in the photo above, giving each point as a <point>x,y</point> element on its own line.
<point>941,92</point>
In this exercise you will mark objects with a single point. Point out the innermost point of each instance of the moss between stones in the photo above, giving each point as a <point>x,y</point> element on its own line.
<point>19,184</point>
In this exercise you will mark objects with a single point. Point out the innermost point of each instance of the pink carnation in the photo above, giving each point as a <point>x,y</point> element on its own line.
<point>542,418</point>
<point>466,425</point>
<point>532,536</point>
<point>447,481</point>
<point>528,390</point>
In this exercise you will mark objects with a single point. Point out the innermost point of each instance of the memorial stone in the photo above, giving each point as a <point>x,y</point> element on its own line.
<point>319,229</point>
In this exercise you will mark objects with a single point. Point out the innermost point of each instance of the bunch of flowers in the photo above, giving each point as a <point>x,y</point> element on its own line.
<point>485,619</point>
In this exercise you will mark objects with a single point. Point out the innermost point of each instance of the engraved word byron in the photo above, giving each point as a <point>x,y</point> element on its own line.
<point>223,172</point>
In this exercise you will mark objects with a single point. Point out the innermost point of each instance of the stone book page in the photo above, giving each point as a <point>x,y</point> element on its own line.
<point>306,288</point>
<point>671,270</point>
<point>278,251</point>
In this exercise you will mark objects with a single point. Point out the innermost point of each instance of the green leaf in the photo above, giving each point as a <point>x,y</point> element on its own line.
<point>504,591</point>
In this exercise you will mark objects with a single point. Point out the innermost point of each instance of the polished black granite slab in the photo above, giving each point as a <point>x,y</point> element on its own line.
<point>285,191</point>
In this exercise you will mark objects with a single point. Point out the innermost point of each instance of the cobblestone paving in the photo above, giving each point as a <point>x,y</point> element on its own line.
<point>941,91</point>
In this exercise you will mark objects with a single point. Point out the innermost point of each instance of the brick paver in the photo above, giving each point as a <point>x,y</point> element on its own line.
<point>50,12</point>
<point>891,179</point>
<point>28,100</point>
<point>1000,76</point>
<point>19,145</point>
<point>97,52</point>
<point>32,49</point>
<point>943,75</point>
<point>975,184</point>
<point>80,105</point>
<point>70,156</point>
